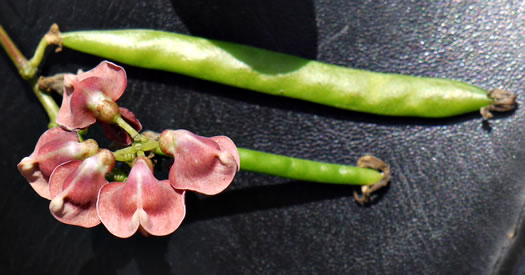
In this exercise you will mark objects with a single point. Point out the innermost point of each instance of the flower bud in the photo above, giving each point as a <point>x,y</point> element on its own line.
<point>103,108</point>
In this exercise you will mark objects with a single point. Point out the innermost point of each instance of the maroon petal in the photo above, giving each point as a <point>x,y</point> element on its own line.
<point>142,202</point>
<point>54,147</point>
<point>204,165</point>
<point>116,133</point>
<point>74,188</point>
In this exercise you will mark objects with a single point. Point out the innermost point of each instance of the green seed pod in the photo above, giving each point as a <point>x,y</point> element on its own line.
<point>286,75</point>
<point>307,170</point>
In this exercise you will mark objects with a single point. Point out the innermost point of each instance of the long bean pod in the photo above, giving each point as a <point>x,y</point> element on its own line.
<point>306,170</point>
<point>286,75</point>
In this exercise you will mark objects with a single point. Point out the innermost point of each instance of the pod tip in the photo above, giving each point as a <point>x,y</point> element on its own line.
<point>503,101</point>
<point>369,161</point>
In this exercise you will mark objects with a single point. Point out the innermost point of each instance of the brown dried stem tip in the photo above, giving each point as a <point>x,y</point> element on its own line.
<point>51,84</point>
<point>369,161</point>
<point>53,37</point>
<point>503,101</point>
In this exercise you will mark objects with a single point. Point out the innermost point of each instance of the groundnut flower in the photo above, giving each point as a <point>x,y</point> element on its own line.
<point>74,188</point>
<point>204,165</point>
<point>91,95</point>
<point>141,203</point>
<point>54,147</point>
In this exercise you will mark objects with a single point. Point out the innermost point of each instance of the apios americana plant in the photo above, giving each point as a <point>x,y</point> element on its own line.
<point>72,174</point>
<point>75,175</point>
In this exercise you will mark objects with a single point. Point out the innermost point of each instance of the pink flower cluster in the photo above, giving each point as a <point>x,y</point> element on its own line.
<point>72,174</point>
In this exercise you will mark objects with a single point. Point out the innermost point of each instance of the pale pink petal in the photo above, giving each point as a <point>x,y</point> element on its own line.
<point>57,152</point>
<point>200,164</point>
<point>164,206</point>
<point>228,146</point>
<point>55,134</point>
<point>112,79</point>
<point>64,117</point>
<point>142,202</point>
<point>60,175</point>
<point>34,176</point>
<point>81,116</point>
<point>74,188</point>
<point>116,208</point>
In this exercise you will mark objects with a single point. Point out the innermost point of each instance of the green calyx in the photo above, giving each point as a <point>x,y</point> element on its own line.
<point>138,148</point>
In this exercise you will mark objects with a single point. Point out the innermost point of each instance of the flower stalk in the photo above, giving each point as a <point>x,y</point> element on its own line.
<point>49,104</point>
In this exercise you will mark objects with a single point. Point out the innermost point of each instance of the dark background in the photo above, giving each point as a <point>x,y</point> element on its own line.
<point>455,201</point>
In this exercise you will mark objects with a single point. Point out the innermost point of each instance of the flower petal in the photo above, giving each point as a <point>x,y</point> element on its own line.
<point>34,176</point>
<point>204,165</point>
<point>64,117</point>
<point>111,79</point>
<point>81,116</point>
<point>74,188</point>
<point>141,202</point>
<point>227,145</point>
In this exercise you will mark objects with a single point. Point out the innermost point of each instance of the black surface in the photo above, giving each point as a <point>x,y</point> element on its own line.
<point>455,198</point>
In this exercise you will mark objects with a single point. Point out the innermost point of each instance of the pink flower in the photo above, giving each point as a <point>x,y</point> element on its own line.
<point>91,95</point>
<point>116,133</point>
<point>74,188</point>
<point>141,203</point>
<point>204,165</point>
<point>54,147</point>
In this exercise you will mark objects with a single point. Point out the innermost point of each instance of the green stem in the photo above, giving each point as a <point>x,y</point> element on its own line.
<point>25,69</point>
<point>128,128</point>
<point>49,105</point>
<point>40,51</point>
<point>51,37</point>
<point>126,154</point>
<point>306,170</point>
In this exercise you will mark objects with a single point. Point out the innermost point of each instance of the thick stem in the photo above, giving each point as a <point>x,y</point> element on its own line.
<point>306,170</point>
<point>52,37</point>
<point>28,69</point>
<point>25,69</point>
